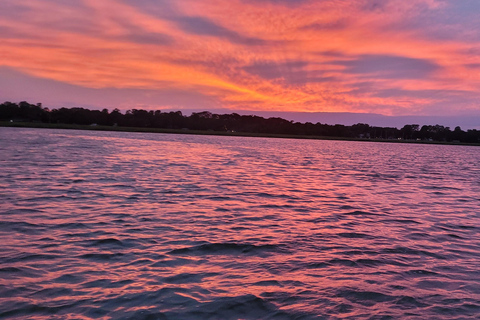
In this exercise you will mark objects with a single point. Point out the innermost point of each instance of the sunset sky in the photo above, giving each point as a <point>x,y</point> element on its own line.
<point>389,57</point>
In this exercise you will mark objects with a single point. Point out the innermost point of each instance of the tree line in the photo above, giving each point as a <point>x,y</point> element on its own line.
<point>233,122</point>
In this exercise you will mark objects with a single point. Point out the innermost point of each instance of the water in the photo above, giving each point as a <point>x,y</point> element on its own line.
<point>110,225</point>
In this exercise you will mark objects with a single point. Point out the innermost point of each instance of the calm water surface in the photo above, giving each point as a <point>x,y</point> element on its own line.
<point>111,225</point>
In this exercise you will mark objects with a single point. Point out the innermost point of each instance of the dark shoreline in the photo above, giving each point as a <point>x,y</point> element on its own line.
<point>40,125</point>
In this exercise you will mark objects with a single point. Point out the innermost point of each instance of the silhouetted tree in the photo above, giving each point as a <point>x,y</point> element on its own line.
<point>206,120</point>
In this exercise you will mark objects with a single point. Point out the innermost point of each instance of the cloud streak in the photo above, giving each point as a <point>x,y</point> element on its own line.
<point>390,67</point>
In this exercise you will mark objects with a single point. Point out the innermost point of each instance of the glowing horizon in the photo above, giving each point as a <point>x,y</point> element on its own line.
<point>386,57</point>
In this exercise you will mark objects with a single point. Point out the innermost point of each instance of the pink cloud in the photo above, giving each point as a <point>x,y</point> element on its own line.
<point>262,55</point>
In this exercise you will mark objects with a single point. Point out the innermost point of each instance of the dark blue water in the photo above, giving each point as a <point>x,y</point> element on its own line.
<point>109,225</point>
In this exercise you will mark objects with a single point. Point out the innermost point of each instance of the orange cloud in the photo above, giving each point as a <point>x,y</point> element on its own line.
<point>259,55</point>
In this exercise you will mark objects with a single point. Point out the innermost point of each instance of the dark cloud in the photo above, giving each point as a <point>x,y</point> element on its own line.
<point>197,25</point>
<point>452,20</point>
<point>206,27</point>
<point>390,67</point>
<point>10,33</point>
<point>426,94</point>
<point>203,26</point>
<point>70,16</point>
<point>374,5</point>
<point>12,8</point>
<point>473,65</point>
<point>292,72</point>
<point>136,34</point>
<point>327,26</point>
<point>76,17</point>
<point>288,3</point>
<point>79,24</point>
<point>332,54</point>
<point>72,4</point>
<point>437,97</point>
<point>158,8</point>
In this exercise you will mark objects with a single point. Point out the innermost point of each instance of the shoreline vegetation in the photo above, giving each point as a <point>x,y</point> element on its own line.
<point>29,115</point>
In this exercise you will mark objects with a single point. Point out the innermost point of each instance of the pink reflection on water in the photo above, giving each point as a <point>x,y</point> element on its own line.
<point>136,223</point>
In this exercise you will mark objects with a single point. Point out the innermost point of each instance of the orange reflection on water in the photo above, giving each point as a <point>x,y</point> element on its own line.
<point>125,224</point>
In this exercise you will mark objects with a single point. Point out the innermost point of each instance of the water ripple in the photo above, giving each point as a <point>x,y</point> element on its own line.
<point>113,225</point>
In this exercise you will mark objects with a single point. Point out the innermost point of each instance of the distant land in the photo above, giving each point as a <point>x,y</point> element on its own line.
<point>206,122</point>
<point>349,118</point>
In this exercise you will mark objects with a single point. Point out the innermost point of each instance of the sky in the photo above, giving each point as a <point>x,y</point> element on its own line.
<point>387,57</point>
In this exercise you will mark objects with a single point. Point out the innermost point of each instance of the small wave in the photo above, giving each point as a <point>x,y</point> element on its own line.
<point>69,278</point>
<point>366,298</point>
<point>75,192</point>
<point>22,272</point>
<point>171,263</point>
<point>420,273</point>
<point>317,220</point>
<point>264,195</point>
<point>343,262</point>
<point>354,235</point>
<point>279,196</point>
<point>184,278</point>
<point>20,226</point>
<point>219,198</point>
<point>343,308</point>
<point>451,235</point>
<point>370,262</point>
<point>102,256</point>
<point>106,242</point>
<point>403,221</point>
<point>10,270</point>
<point>106,283</point>
<point>275,206</point>
<point>72,225</point>
<point>432,285</point>
<point>26,310</point>
<point>459,226</point>
<point>21,211</point>
<point>360,213</point>
<point>268,283</point>
<point>51,293</point>
<point>349,263</point>
<point>228,248</point>
<point>61,198</point>
<point>248,306</point>
<point>317,265</point>
<point>465,310</point>
<point>418,236</point>
<point>140,262</point>
<point>410,302</point>
<point>409,251</point>
<point>430,187</point>
<point>27,257</point>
